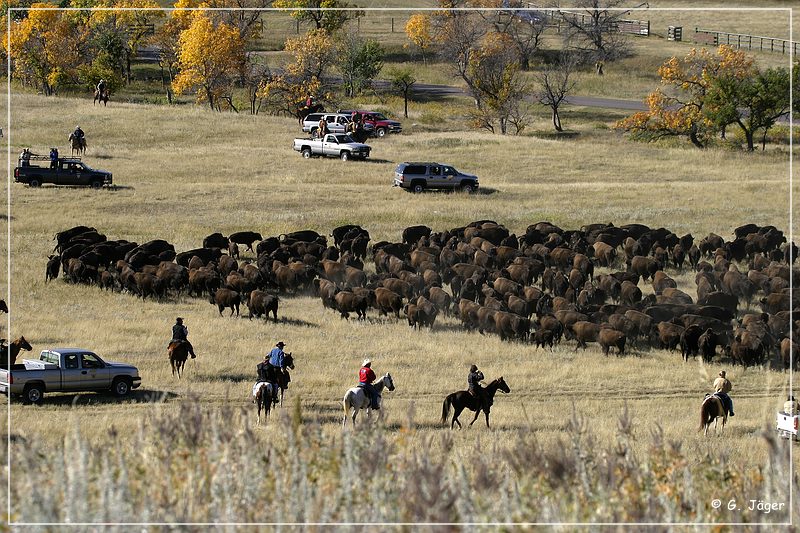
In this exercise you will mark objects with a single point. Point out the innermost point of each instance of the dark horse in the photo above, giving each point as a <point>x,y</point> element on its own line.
<point>265,395</point>
<point>98,97</point>
<point>178,352</point>
<point>9,352</point>
<point>712,409</point>
<point>78,145</point>
<point>303,111</point>
<point>283,378</point>
<point>464,400</point>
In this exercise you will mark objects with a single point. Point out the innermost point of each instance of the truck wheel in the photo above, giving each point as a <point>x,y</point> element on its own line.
<point>381,132</point>
<point>121,387</point>
<point>96,184</point>
<point>467,188</point>
<point>344,156</point>
<point>33,393</point>
<point>34,182</point>
<point>306,152</point>
<point>417,188</point>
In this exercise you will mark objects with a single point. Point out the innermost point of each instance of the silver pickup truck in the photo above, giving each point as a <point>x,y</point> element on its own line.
<point>67,370</point>
<point>338,145</point>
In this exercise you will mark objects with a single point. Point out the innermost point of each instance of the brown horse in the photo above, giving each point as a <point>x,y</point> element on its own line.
<point>13,350</point>
<point>101,97</point>
<point>265,395</point>
<point>303,111</point>
<point>710,410</point>
<point>78,145</point>
<point>178,352</point>
<point>464,400</point>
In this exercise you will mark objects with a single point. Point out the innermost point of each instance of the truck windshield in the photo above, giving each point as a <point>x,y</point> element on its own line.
<point>90,360</point>
<point>344,139</point>
<point>378,116</point>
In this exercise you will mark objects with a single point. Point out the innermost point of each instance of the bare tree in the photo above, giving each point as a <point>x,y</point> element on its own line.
<point>592,27</point>
<point>555,84</point>
<point>524,27</point>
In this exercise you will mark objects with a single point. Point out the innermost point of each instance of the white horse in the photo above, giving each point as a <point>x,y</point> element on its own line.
<point>355,399</point>
<point>263,395</point>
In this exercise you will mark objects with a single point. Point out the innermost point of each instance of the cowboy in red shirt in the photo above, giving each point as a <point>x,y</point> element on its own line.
<point>365,378</point>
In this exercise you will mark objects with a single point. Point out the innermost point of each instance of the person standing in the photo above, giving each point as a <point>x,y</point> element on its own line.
<point>722,386</point>
<point>53,157</point>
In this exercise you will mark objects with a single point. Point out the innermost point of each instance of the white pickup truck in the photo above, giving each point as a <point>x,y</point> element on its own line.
<point>67,370</point>
<point>338,145</point>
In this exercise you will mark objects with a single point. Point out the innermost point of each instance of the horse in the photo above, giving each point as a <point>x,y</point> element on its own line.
<point>178,351</point>
<point>13,350</point>
<point>101,97</point>
<point>461,400</point>
<point>303,111</point>
<point>78,145</point>
<point>711,409</point>
<point>264,394</point>
<point>283,378</point>
<point>356,399</point>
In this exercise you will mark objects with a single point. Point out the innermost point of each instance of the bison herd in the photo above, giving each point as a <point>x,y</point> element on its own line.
<point>540,287</point>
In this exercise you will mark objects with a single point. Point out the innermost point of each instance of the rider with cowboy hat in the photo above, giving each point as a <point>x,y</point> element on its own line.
<point>365,378</point>
<point>180,333</point>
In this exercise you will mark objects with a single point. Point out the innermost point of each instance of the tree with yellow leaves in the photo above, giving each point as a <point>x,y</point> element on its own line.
<point>326,15</point>
<point>313,56</point>
<point>46,48</point>
<point>682,108</point>
<point>419,32</point>
<point>209,58</point>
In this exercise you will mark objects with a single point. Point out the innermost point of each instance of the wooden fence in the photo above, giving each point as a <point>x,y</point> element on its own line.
<point>743,40</point>
<point>557,17</point>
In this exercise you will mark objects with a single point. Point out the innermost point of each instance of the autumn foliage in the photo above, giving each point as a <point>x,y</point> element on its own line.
<point>691,101</point>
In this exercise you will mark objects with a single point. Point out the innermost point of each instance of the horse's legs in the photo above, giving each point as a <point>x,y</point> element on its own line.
<point>456,412</point>
<point>477,414</point>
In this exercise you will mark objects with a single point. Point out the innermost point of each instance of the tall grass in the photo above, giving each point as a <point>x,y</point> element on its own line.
<point>201,466</point>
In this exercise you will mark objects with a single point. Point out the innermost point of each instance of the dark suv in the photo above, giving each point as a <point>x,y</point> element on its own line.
<point>381,124</point>
<point>417,177</point>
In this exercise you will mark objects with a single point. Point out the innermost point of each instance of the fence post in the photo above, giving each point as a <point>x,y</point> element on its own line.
<point>392,24</point>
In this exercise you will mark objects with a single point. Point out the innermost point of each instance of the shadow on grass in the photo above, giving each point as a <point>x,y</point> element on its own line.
<point>105,398</point>
<point>236,378</point>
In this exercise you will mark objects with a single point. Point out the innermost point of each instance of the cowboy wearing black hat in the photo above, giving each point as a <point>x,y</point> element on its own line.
<point>180,333</point>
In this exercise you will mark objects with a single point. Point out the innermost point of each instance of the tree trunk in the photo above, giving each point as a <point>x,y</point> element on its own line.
<point>748,134</point>
<point>405,103</point>
<point>210,99</point>
<point>556,120</point>
<point>695,140</point>
<point>128,66</point>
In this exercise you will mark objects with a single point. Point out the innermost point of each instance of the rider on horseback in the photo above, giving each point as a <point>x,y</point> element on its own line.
<point>180,333</point>
<point>722,386</point>
<point>276,367</point>
<point>101,88</point>
<point>365,378</point>
<point>78,133</point>
<point>475,389</point>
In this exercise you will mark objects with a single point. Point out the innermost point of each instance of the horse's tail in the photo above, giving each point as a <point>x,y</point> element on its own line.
<point>446,409</point>
<point>704,413</point>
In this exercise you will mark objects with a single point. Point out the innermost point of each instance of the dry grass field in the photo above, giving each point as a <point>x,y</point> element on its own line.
<point>183,173</point>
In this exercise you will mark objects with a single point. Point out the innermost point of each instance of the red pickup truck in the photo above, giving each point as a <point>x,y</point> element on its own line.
<point>382,124</point>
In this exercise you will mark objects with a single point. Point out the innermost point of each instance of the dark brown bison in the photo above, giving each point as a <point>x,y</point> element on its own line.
<point>216,240</point>
<point>611,337</point>
<point>584,332</point>
<point>661,281</point>
<point>669,335</point>
<point>225,298</point>
<point>646,267</point>
<point>387,301</point>
<point>690,341</point>
<point>629,293</point>
<point>511,326</point>
<point>262,303</point>
<point>245,237</point>
<point>348,302</point>
<point>413,234</point>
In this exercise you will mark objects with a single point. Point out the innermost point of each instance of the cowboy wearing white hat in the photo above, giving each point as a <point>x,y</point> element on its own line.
<point>365,378</point>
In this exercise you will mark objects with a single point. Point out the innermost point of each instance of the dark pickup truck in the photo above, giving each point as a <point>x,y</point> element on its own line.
<point>66,171</point>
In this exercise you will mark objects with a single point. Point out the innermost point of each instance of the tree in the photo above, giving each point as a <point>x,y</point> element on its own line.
<point>46,48</point>
<point>329,15</point>
<point>313,55</point>
<point>418,31</point>
<point>592,28</point>
<point>525,29</point>
<point>681,111</point>
<point>402,80</point>
<point>359,61</point>
<point>754,102</point>
<point>498,87</point>
<point>555,84</point>
<point>796,86</point>
<point>209,58</point>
